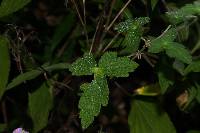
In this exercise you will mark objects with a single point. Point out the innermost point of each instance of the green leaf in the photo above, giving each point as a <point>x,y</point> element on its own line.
<point>193,67</point>
<point>193,131</point>
<point>4,64</point>
<point>133,29</point>
<point>83,66</point>
<point>164,81</point>
<point>40,103</point>
<point>183,14</point>
<point>146,117</point>
<point>10,6</point>
<point>34,73</point>
<point>130,23</point>
<point>116,66</point>
<point>95,95</point>
<point>124,26</point>
<point>23,77</point>
<point>2,127</point>
<point>179,52</point>
<point>173,49</point>
<point>161,43</point>
<point>198,92</point>
<point>132,40</point>
<point>153,3</point>
<point>157,46</point>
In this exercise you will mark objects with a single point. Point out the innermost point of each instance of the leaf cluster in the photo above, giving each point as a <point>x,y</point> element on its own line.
<point>95,94</point>
<point>184,13</point>
<point>133,29</point>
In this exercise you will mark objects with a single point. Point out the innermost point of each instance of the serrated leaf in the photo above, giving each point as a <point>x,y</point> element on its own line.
<point>173,49</point>
<point>34,73</point>
<point>179,52</point>
<point>142,20</point>
<point>161,43</point>
<point>95,95</point>
<point>186,12</point>
<point>4,64</point>
<point>84,65</point>
<point>124,26</point>
<point>40,103</point>
<point>164,81</point>
<point>129,23</point>
<point>132,40</point>
<point>10,6</point>
<point>146,117</point>
<point>114,66</point>
<point>176,17</point>
<point>157,46</point>
<point>133,29</point>
<point>193,67</point>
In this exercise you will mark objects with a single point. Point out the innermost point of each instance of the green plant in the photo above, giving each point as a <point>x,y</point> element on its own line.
<point>117,50</point>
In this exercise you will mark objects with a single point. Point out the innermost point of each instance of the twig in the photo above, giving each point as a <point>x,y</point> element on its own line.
<point>82,21</point>
<point>4,112</point>
<point>99,33</point>
<point>164,31</point>
<point>148,60</point>
<point>127,3</point>
<point>109,44</point>
<point>122,89</point>
<point>110,13</point>
<point>196,47</point>
<point>93,40</point>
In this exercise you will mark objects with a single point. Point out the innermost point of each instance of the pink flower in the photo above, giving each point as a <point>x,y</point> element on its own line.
<point>19,130</point>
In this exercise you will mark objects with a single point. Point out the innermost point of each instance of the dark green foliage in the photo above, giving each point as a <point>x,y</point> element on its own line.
<point>83,66</point>
<point>164,81</point>
<point>4,64</point>
<point>147,117</point>
<point>185,13</point>
<point>95,95</point>
<point>39,110</point>
<point>34,73</point>
<point>179,52</point>
<point>172,49</point>
<point>133,33</point>
<point>10,6</point>
<point>193,67</point>
<point>114,66</point>
<point>40,41</point>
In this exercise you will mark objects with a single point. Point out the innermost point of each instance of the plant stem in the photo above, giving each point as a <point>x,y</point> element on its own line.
<point>83,22</point>
<point>109,44</point>
<point>196,47</point>
<point>93,40</point>
<point>127,3</point>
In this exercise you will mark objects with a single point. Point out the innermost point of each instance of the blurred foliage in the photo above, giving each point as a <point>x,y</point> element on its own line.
<point>100,66</point>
